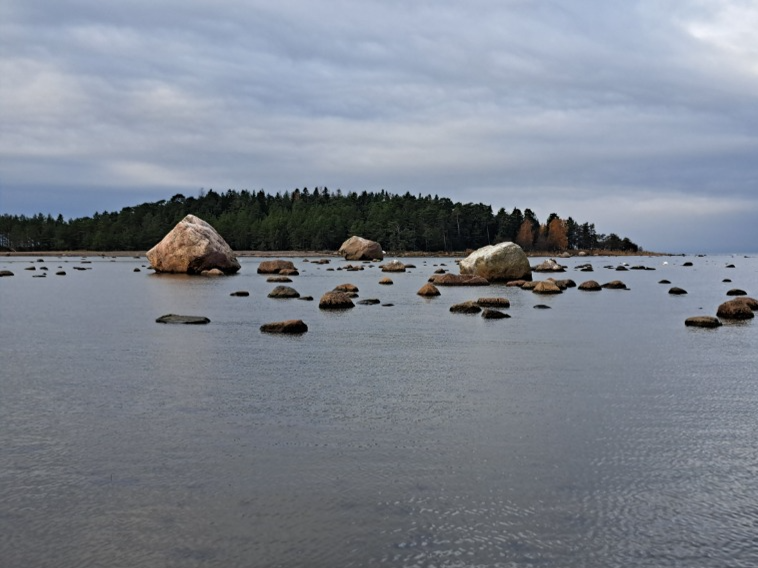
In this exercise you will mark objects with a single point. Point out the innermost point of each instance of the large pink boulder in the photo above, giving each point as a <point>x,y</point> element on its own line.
<point>501,262</point>
<point>193,246</point>
<point>358,248</point>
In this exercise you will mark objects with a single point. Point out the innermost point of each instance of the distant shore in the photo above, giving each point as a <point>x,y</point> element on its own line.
<point>331,254</point>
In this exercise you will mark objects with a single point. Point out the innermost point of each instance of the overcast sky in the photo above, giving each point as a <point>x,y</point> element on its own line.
<point>639,116</point>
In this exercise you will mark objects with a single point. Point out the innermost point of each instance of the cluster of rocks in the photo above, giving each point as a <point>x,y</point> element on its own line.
<point>194,247</point>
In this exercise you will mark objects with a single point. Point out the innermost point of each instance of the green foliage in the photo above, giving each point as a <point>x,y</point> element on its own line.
<point>300,220</point>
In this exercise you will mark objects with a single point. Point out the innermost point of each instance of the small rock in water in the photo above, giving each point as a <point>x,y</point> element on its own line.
<point>615,285</point>
<point>335,300</point>
<point>541,307</point>
<point>702,321</point>
<point>369,302</point>
<point>546,287</point>
<point>5,273</point>
<point>284,292</point>
<point>677,291</point>
<point>174,318</point>
<point>288,326</point>
<point>489,313</point>
<point>240,293</point>
<point>736,292</point>
<point>735,309</point>
<point>494,302</point>
<point>428,290</point>
<point>465,308</point>
<point>590,286</point>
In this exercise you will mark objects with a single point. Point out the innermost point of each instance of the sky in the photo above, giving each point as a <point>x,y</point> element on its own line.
<point>640,116</point>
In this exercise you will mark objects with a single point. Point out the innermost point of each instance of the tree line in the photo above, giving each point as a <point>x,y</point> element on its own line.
<point>310,220</point>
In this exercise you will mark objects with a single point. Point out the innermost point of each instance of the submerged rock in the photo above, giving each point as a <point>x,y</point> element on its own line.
<point>489,313</point>
<point>458,280</point>
<point>736,292</point>
<point>288,326</point>
<point>173,318</point>
<point>191,247</point>
<point>702,321</point>
<point>241,293</point>
<point>465,308</point>
<point>494,302</point>
<point>615,285</point>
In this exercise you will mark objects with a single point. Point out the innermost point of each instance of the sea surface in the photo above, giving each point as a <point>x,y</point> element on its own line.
<point>601,432</point>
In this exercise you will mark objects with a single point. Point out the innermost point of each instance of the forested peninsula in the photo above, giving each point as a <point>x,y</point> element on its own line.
<point>311,220</point>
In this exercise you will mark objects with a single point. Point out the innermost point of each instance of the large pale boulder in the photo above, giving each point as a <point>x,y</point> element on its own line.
<point>192,247</point>
<point>358,248</point>
<point>500,262</point>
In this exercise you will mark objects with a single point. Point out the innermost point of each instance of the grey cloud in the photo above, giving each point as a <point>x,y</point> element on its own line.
<point>504,102</point>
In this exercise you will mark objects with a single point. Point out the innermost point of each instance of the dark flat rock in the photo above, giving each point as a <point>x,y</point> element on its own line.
<point>490,313</point>
<point>702,321</point>
<point>288,326</point>
<point>173,318</point>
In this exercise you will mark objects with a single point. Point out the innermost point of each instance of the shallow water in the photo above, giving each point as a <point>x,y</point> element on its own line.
<point>601,432</point>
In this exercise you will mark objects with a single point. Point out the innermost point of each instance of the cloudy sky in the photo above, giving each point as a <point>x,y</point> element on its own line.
<point>640,116</point>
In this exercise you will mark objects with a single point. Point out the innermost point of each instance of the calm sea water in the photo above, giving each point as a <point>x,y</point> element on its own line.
<point>601,432</point>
